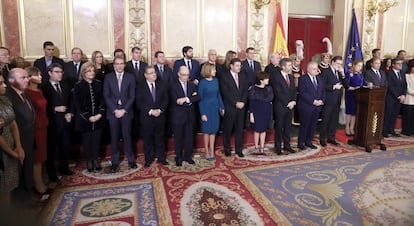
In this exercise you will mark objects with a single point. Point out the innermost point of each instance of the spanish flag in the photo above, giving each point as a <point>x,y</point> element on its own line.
<point>280,37</point>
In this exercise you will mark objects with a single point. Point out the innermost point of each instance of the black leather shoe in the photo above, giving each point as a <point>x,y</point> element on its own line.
<point>67,172</point>
<point>190,161</point>
<point>147,164</point>
<point>311,146</point>
<point>227,153</point>
<point>323,143</point>
<point>98,168</point>
<point>333,142</point>
<point>178,164</point>
<point>240,154</point>
<point>114,168</point>
<point>289,149</point>
<point>165,163</point>
<point>90,170</point>
<point>395,134</point>
<point>133,165</point>
<point>301,147</point>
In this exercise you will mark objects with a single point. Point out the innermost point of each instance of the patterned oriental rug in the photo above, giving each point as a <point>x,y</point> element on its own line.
<point>333,185</point>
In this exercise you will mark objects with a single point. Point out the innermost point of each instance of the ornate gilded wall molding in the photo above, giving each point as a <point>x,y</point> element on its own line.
<point>257,31</point>
<point>137,26</point>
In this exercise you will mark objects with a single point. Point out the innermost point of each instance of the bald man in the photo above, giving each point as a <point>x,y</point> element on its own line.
<point>25,115</point>
<point>183,95</point>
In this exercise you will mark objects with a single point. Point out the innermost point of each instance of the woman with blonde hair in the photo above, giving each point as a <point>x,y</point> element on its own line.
<point>89,108</point>
<point>211,106</point>
<point>98,60</point>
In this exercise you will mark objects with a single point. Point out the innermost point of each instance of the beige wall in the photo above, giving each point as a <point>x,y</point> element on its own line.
<point>310,7</point>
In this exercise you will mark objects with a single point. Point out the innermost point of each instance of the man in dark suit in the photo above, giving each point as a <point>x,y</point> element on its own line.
<point>183,95</point>
<point>152,100</point>
<point>117,53</point>
<point>190,63</point>
<point>396,91</point>
<point>5,65</point>
<point>284,101</point>
<point>233,88</point>
<point>334,80</point>
<point>135,66</point>
<point>375,75</point>
<point>250,67</point>
<point>25,115</point>
<point>212,59</point>
<point>48,59</point>
<point>376,54</point>
<point>310,101</point>
<point>57,94</point>
<point>72,68</point>
<point>163,71</point>
<point>273,67</point>
<point>119,94</point>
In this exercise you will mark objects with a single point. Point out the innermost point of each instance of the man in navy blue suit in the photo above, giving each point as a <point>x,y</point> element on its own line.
<point>48,59</point>
<point>119,94</point>
<point>250,67</point>
<point>152,101</point>
<point>72,68</point>
<point>310,101</point>
<point>396,91</point>
<point>183,95</point>
<point>191,64</point>
<point>135,66</point>
<point>163,71</point>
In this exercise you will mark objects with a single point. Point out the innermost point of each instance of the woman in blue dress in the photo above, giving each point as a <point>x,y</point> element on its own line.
<point>260,104</point>
<point>356,80</point>
<point>211,106</point>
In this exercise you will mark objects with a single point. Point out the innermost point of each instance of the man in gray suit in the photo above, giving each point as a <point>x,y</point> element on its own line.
<point>375,75</point>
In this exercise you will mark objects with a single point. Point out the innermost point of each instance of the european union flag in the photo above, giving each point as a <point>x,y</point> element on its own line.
<point>353,50</point>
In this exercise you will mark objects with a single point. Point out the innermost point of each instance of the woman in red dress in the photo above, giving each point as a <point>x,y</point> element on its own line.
<point>41,123</point>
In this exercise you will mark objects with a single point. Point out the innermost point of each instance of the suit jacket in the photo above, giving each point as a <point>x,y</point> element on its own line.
<point>251,74</point>
<point>182,113</point>
<point>71,75</point>
<point>167,76</point>
<point>195,68</point>
<point>396,87</point>
<point>88,101</point>
<point>41,64</point>
<point>55,99</point>
<point>112,95</point>
<point>333,97</point>
<point>145,102</point>
<point>307,92</point>
<point>131,69</point>
<point>283,93</point>
<point>271,69</point>
<point>25,118</point>
<point>370,76</point>
<point>229,91</point>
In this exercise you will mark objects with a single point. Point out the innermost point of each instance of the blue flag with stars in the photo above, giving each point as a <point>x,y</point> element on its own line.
<point>353,49</point>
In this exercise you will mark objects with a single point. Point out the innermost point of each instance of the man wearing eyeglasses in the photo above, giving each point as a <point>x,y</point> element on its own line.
<point>57,94</point>
<point>46,60</point>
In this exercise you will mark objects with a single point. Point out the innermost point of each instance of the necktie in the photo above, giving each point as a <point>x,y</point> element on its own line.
<point>153,91</point>
<point>58,90</point>
<point>185,88</point>
<point>287,81</point>
<point>398,76</point>
<point>378,75</point>
<point>161,71</point>
<point>315,84</point>
<point>77,69</point>
<point>336,75</point>
<point>189,64</point>
<point>236,80</point>
<point>252,65</point>
<point>136,69</point>
<point>26,102</point>
<point>119,81</point>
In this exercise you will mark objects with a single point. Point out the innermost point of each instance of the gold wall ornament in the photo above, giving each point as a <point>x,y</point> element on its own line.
<point>137,26</point>
<point>379,6</point>
<point>258,4</point>
<point>374,124</point>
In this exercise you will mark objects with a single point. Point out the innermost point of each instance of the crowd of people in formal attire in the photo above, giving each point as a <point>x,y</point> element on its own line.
<point>44,106</point>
